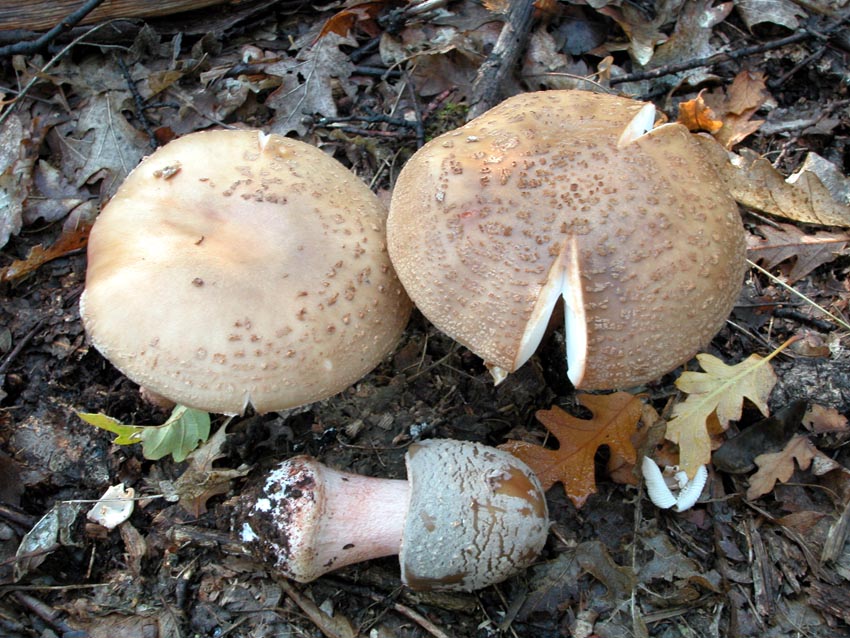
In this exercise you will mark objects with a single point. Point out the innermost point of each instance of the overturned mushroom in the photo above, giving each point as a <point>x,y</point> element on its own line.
<point>569,194</point>
<point>234,268</point>
<point>468,516</point>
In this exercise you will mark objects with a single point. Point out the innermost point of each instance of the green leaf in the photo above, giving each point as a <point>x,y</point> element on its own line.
<point>185,428</point>
<point>127,434</point>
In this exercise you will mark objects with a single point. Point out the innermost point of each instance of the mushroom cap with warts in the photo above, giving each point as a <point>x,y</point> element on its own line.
<point>468,516</point>
<point>569,194</point>
<point>234,268</point>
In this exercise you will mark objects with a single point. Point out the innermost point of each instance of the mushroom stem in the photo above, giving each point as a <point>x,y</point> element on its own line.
<point>363,518</point>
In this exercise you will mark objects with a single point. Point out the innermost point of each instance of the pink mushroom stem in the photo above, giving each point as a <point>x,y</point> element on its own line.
<point>314,519</point>
<point>364,517</point>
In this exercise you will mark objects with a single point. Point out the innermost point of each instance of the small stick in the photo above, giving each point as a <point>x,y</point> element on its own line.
<point>711,60</point>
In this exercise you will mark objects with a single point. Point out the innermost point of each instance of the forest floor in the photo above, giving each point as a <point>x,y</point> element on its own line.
<point>368,83</point>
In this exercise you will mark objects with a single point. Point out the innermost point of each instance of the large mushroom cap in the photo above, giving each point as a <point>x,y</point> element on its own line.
<point>565,193</point>
<point>477,515</point>
<point>234,268</point>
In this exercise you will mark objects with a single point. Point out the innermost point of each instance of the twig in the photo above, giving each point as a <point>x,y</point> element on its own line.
<point>793,314</point>
<point>138,101</point>
<point>793,291</point>
<point>488,85</point>
<point>814,57</point>
<point>331,626</point>
<point>411,614</point>
<point>46,613</point>
<point>22,342</point>
<point>670,69</point>
<point>32,46</point>
<point>417,109</point>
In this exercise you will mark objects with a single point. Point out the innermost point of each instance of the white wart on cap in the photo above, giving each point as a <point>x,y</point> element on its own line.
<point>569,194</point>
<point>234,269</point>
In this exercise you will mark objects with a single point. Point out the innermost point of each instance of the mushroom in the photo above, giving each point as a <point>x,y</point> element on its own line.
<point>569,194</point>
<point>468,516</point>
<point>234,268</point>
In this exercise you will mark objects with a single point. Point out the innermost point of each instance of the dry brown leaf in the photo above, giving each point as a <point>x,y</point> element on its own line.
<point>785,13</point>
<point>753,182</point>
<point>104,146</point>
<point>691,38</point>
<point>747,93</point>
<point>308,84</point>
<point>779,466</point>
<point>698,116</point>
<point>69,241</point>
<point>644,35</point>
<point>614,422</point>
<point>820,419</point>
<point>14,176</point>
<point>361,15</point>
<point>720,390</point>
<point>785,241</point>
<point>201,481</point>
<point>744,97</point>
<point>734,106</point>
<point>501,7</point>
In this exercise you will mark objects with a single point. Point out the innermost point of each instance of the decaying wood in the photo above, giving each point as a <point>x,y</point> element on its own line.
<point>489,83</point>
<point>39,16</point>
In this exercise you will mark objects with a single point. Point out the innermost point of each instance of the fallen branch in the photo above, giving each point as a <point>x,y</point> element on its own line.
<point>33,46</point>
<point>725,56</point>
<point>487,88</point>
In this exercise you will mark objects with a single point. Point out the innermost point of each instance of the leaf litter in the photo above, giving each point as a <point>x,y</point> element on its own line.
<point>84,125</point>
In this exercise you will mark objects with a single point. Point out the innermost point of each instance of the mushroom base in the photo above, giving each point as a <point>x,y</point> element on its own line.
<point>308,519</point>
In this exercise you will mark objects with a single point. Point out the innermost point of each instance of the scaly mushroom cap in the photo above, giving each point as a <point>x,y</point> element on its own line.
<point>235,268</point>
<point>573,194</point>
<point>477,516</point>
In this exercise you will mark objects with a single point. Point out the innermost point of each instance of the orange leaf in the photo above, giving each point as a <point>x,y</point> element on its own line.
<point>343,21</point>
<point>615,419</point>
<point>68,242</point>
<point>698,116</point>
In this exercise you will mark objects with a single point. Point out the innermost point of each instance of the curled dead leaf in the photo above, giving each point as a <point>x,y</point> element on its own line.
<point>698,116</point>
<point>753,182</point>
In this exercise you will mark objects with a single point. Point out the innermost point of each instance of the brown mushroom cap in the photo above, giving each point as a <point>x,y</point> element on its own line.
<point>234,268</point>
<point>561,193</point>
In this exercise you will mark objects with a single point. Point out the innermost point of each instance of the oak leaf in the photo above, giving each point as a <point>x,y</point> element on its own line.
<point>779,466</point>
<point>720,391</point>
<point>820,419</point>
<point>789,242</point>
<point>614,422</point>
